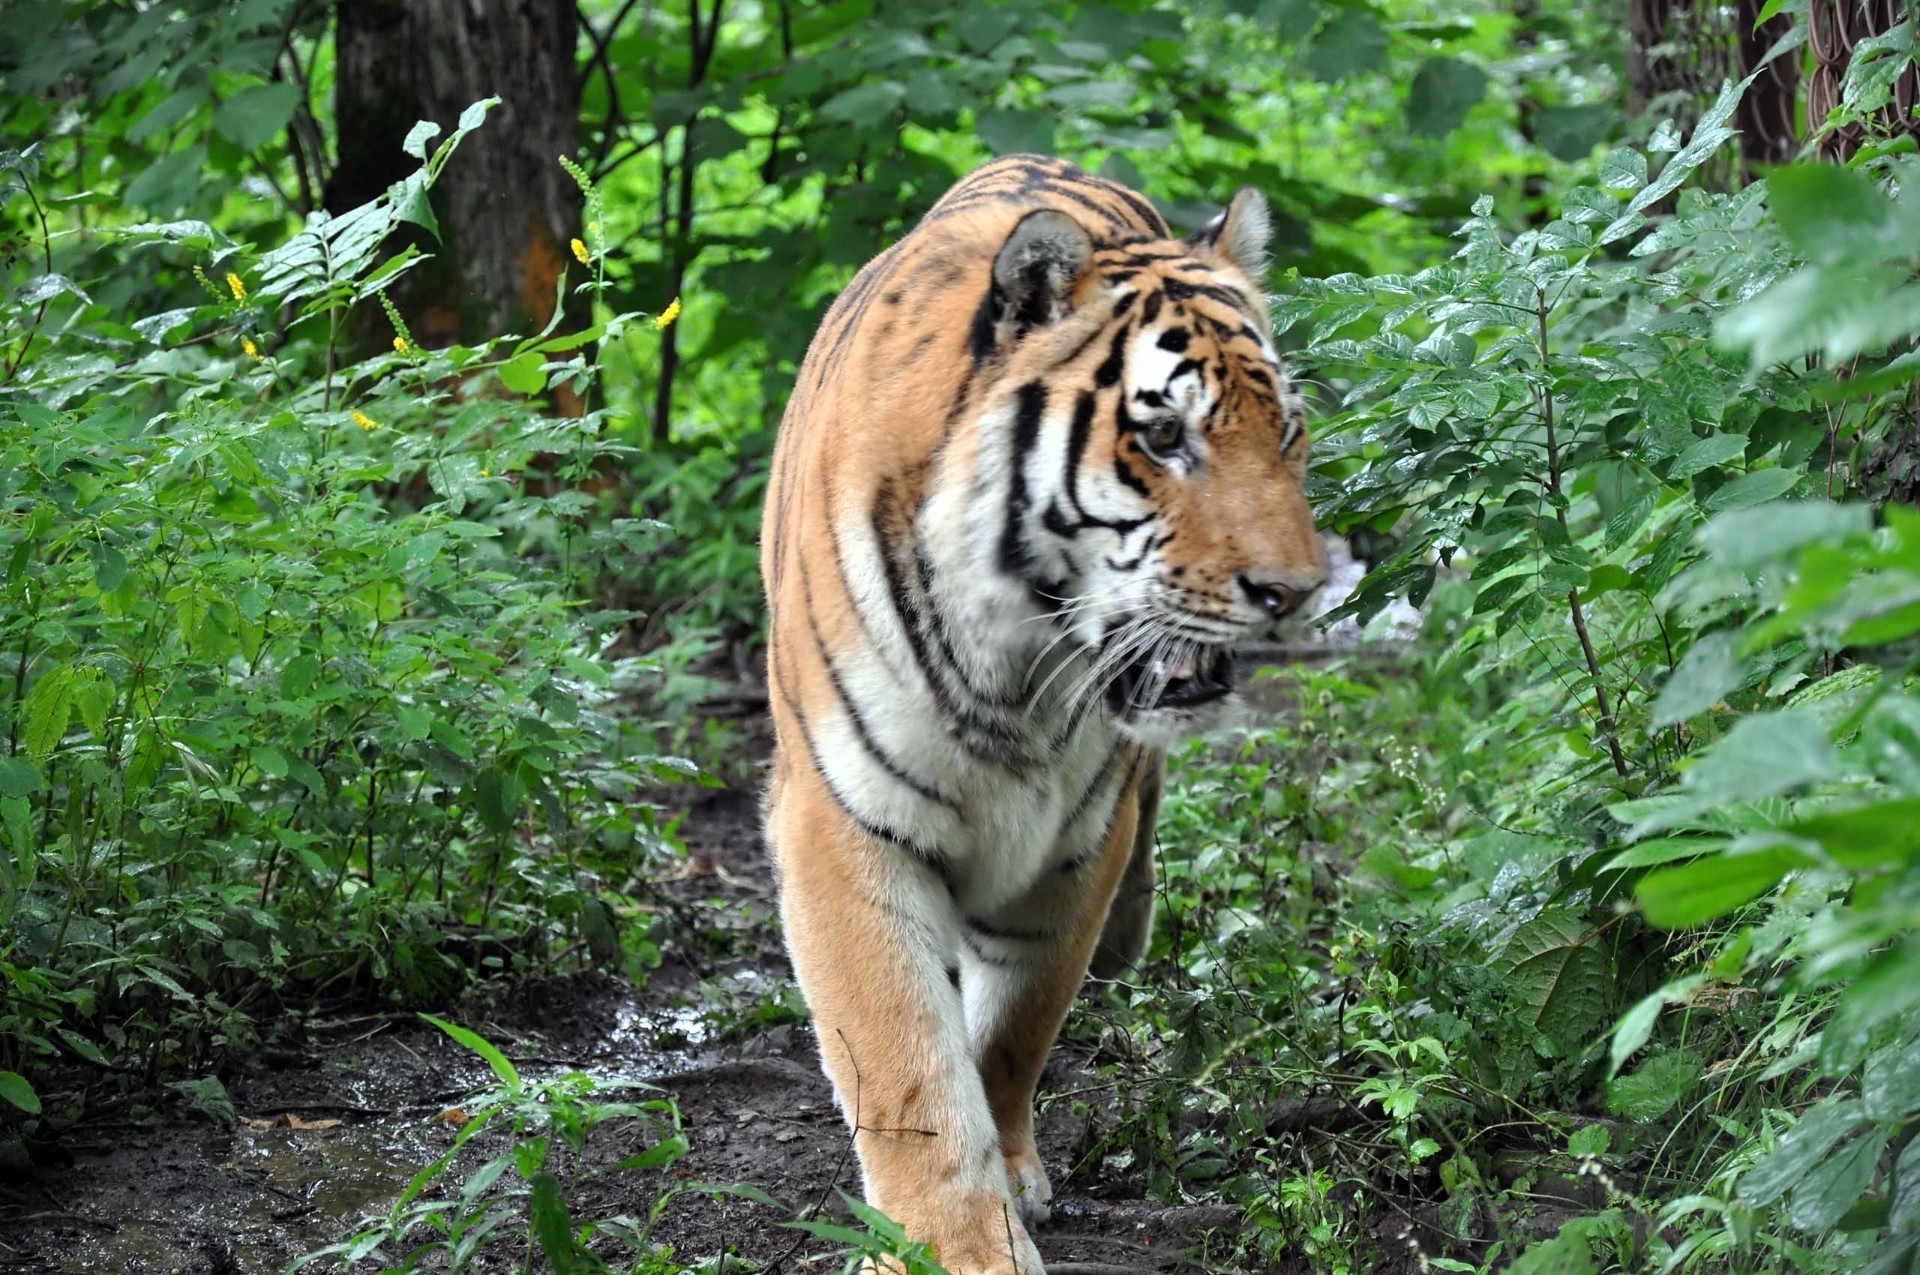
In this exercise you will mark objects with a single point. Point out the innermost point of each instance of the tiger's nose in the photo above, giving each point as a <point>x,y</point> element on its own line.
<point>1278,600</point>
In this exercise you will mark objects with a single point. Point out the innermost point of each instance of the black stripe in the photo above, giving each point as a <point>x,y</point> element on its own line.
<point>1016,558</point>
<point>862,731</point>
<point>980,954</point>
<point>972,725</point>
<point>930,857</point>
<point>1100,780</point>
<point>1010,935</point>
<point>1077,437</point>
<point>1108,373</point>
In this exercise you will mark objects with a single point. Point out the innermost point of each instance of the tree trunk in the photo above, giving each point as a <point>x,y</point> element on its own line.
<point>506,208</point>
<point>1767,113</point>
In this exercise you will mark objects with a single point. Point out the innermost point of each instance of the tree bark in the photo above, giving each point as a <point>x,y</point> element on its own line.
<point>1768,112</point>
<point>506,208</point>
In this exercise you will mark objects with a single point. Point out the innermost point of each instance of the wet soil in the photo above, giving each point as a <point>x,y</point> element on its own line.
<point>332,1126</point>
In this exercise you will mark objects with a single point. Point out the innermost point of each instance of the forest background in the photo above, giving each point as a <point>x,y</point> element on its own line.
<point>386,388</point>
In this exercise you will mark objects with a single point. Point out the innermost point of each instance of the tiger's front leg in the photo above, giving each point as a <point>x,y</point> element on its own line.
<point>1022,970</point>
<point>872,933</point>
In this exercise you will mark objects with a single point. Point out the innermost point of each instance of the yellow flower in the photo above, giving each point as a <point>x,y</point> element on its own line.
<point>580,251</point>
<point>486,473</point>
<point>665,318</point>
<point>253,351</point>
<point>234,285</point>
<point>365,422</point>
<point>400,345</point>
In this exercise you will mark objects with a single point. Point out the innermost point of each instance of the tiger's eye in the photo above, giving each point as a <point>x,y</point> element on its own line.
<point>1163,437</point>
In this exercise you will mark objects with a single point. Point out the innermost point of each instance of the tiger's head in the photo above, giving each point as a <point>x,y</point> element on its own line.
<point>1158,457</point>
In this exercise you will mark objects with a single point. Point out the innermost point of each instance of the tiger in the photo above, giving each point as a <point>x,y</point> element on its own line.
<point>1040,471</point>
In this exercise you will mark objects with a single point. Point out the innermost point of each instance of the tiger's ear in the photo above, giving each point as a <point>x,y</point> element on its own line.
<point>1239,234</point>
<point>1036,270</point>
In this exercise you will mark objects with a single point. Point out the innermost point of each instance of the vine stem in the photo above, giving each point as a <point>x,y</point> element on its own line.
<point>1600,702</point>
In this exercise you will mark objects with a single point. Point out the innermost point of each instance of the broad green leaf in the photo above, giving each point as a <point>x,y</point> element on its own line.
<point>1831,213</point>
<point>1352,42</point>
<point>19,777</point>
<point>1655,851</point>
<point>209,1097</point>
<point>522,373</point>
<point>1752,489</point>
<point>1835,1183</point>
<point>1655,1088</point>
<point>1708,453</point>
<point>298,675</point>
<point>1888,990</point>
<point>1559,974</point>
<point>15,1089</point>
<point>866,105</point>
<point>415,143</point>
<point>1890,1082</point>
<point>1707,673</point>
<point>1799,1149</point>
<point>255,116</point>
<point>48,710</point>
<point>1709,888</point>
<point>1443,90</point>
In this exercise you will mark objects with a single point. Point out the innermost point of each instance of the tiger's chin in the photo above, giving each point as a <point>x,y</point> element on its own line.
<point>1162,704</point>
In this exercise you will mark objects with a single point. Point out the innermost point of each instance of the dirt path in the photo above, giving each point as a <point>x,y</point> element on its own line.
<point>334,1124</point>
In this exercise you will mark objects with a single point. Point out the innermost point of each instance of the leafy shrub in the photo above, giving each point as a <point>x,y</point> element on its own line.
<point>297,691</point>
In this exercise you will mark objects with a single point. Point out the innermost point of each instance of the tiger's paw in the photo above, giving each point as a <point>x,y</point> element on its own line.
<point>1027,1183</point>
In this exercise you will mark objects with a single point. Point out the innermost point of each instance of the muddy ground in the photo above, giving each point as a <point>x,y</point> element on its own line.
<point>336,1117</point>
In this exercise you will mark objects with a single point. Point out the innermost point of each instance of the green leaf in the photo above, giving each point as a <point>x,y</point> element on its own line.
<point>15,1089</point>
<point>1658,850</point>
<point>1562,977</point>
<point>1836,1183</point>
<point>169,182</point>
<point>271,761</point>
<point>1352,43</point>
<point>1708,888</point>
<point>1890,1082</point>
<point>1799,1149</point>
<point>1830,213</point>
<point>207,1096</point>
<point>1708,672</point>
<point>1443,91</point>
<point>20,777</point>
<point>551,1224</point>
<point>1591,1141</point>
<point>522,373</point>
<point>865,105</point>
<point>502,1068</point>
<point>1888,990</point>
<point>1659,1085</point>
<point>1904,1198</point>
<point>658,1156</point>
<point>48,710</point>
<point>1752,489</point>
<point>1633,1030</point>
<point>410,203</point>
<point>1708,453</point>
<point>1015,132</point>
<point>297,678</point>
<point>1570,131</point>
<point>255,116</point>
<point>417,138</point>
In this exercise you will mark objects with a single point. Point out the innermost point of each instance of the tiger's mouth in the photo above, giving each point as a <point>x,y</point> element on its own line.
<point>1187,680</point>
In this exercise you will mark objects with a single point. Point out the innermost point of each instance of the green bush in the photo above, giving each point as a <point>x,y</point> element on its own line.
<point>298,691</point>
